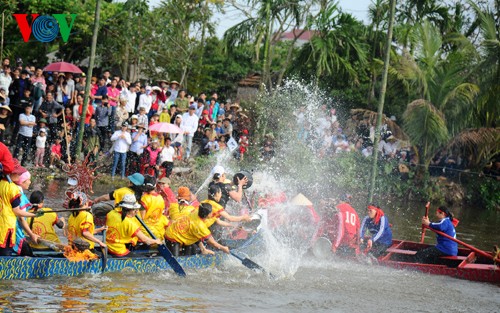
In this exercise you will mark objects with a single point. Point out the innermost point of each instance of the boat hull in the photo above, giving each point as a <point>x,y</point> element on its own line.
<point>42,267</point>
<point>467,265</point>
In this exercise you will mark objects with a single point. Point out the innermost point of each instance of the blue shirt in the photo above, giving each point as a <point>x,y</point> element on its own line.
<point>381,232</point>
<point>137,145</point>
<point>101,91</point>
<point>445,245</point>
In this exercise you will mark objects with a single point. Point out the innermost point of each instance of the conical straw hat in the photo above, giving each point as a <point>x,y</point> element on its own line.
<point>300,199</point>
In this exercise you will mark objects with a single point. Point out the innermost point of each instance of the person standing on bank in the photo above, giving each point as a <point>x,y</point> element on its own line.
<point>444,246</point>
<point>122,141</point>
<point>25,135</point>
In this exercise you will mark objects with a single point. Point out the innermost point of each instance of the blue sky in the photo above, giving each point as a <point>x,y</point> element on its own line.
<point>358,8</point>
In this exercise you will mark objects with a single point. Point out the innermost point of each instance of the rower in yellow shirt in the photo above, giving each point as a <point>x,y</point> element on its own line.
<point>123,229</point>
<point>136,182</point>
<point>214,196</point>
<point>153,205</point>
<point>182,207</point>
<point>43,226</point>
<point>190,229</point>
<point>81,223</point>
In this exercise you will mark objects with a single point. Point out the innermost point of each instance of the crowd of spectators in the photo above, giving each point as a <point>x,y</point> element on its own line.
<point>41,111</point>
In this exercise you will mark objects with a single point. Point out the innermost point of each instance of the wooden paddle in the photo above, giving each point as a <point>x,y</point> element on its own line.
<point>427,206</point>
<point>165,253</point>
<point>251,264</point>
<point>56,246</point>
<point>69,210</point>
<point>104,252</point>
<point>468,246</point>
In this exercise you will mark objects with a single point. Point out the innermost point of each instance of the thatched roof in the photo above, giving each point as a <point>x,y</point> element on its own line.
<point>252,80</point>
<point>372,117</point>
<point>481,144</point>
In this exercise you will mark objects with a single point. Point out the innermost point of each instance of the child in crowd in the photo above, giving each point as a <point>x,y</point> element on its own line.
<point>41,139</point>
<point>244,143</point>
<point>218,128</point>
<point>43,226</point>
<point>55,152</point>
<point>222,143</point>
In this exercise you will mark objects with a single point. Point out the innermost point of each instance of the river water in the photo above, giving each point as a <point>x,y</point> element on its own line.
<point>311,286</point>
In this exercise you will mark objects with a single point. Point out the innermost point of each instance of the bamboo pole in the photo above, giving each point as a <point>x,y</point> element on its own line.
<point>381,101</point>
<point>89,76</point>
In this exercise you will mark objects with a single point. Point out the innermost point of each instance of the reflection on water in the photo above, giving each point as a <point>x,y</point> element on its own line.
<point>317,286</point>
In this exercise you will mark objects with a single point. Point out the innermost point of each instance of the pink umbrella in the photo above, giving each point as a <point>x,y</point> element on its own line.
<point>166,128</point>
<point>62,67</point>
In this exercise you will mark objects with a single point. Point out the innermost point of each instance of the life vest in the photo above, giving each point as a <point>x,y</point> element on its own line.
<point>153,155</point>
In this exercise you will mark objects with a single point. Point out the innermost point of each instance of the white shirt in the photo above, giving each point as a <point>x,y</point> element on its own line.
<point>40,141</point>
<point>189,123</point>
<point>76,115</point>
<point>121,144</point>
<point>131,97</point>
<point>145,101</point>
<point>167,154</point>
<point>26,131</point>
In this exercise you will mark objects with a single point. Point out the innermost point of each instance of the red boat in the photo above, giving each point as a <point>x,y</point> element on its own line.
<point>468,264</point>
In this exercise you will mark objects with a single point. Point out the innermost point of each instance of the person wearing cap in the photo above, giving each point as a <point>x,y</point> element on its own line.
<point>189,229</point>
<point>167,155</point>
<point>135,187</point>
<point>228,191</point>
<point>380,230</point>
<point>183,206</point>
<point>43,226</point>
<point>139,143</point>
<point>81,222</point>
<point>189,125</point>
<point>12,213</point>
<point>341,226</point>
<point>164,115</point>
<point>40,143</point>
<point>151,157</point>
<point>154,206</point>
<point>174,90</point>
<point>124,231</point>
<point>122,140</point>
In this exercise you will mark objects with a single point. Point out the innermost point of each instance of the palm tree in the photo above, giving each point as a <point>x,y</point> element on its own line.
<point>336,48</point>
<point>487,111</point>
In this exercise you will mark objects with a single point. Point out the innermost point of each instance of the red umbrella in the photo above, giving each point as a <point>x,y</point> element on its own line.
<point>62,67</point>
<point>166,128</point>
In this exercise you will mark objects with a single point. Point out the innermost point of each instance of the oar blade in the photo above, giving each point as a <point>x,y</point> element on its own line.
<point>104,253</point>
<point>252,265</point>
<point>167,255</point>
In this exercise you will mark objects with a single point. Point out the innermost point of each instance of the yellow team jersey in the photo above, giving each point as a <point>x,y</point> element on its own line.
<point>217,209</point>
<point>118,194</point>
<point>187,230</point>
<point>9,192</point>
<point>43,226</point>
<point>155,220</point>
<point>77,224</point>
<point>120,233</point>
<point>178,210</point>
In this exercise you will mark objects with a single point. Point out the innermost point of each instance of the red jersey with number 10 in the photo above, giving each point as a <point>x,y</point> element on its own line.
<point>344,227</point>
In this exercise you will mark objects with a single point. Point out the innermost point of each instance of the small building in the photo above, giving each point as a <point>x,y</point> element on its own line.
<point>302,36</point>
<point>248,87</point>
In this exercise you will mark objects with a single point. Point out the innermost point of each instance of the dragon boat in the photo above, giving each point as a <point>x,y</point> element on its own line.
<point>49,264</point>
